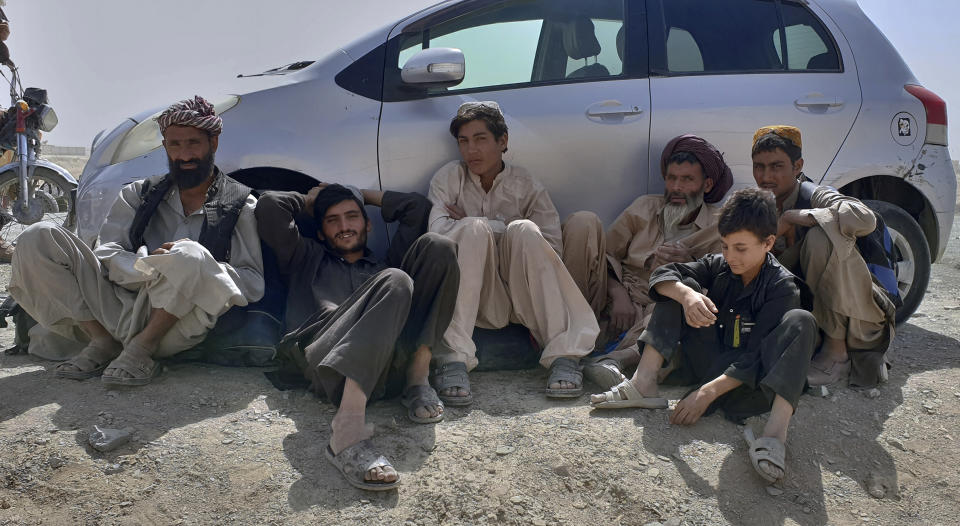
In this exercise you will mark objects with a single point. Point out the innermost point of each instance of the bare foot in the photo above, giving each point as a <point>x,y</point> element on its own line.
<point>455,392</point>
<point>349,429</point>
<point>563,384</point>
<point>428,411</point>
<point>768,467</point>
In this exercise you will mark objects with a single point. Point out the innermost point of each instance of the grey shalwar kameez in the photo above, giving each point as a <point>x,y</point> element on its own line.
<point>361,320</point>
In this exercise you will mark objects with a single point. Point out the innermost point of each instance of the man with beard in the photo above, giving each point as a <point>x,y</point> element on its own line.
<point>175,252</point>
<point>359,328</point>
<point>613,269</point>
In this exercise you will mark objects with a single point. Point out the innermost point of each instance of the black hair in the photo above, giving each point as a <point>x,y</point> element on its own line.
<point>489,116</point>
<point>334,194</point>
<point>750,209</point>
<point>683,157</point>
<point>771,142</point>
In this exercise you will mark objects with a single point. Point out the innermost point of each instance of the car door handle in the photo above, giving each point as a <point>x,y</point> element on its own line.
<point>808,102</point>
<point>612,108</point>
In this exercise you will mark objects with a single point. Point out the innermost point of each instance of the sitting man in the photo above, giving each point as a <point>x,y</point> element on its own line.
<point>613,270</point>
<point>746,343</point>
<point>358,327</point>
<point>176,252</point>
<point>817,237</point>
<point>508,238</point>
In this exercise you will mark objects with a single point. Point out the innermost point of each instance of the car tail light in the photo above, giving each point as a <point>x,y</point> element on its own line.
<point>936,110</point>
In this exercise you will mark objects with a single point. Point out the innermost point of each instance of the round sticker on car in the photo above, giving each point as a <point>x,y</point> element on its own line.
<point>903,128</point>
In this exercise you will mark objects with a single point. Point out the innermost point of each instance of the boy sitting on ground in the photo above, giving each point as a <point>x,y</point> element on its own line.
<point>733,325</point>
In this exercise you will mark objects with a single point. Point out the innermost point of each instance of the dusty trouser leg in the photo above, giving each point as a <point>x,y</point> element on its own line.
<point>545,298</point>
<point>665,335</point>
<point>585,256</point>
<point>661,343</point>
<point>781,372</point>
<point>482,298</point>
<point>189,284</point>
<point>357,339</point>
<point>840,332</point>
<point>785,356</point>
<point>59,281</point>
<point>346,353</point>
<point>184,293</point>
<point>431,262</point>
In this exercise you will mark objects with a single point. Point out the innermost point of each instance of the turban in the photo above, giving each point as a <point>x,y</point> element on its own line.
<point>196,113</point>
<point>790,133</point>
<point>714,167</point>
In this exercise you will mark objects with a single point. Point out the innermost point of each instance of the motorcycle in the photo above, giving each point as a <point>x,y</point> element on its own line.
<point>32,189</point>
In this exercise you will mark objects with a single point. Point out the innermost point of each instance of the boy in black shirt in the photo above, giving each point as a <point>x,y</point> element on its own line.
<point>746,342</point>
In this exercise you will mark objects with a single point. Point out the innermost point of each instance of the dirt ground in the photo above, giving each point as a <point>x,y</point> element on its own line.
<point>215,445</point>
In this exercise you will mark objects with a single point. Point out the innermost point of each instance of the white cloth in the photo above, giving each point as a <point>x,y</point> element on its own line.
<point>510,267</point>
<point>60,281</point>
<point>515,194</point>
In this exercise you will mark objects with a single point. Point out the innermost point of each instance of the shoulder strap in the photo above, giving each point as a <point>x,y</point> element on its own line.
<point>806,194</point>
<point>225,201</point>
<point>150,197</point>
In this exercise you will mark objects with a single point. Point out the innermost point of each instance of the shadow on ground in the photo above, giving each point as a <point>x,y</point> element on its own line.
<point>840,434</point>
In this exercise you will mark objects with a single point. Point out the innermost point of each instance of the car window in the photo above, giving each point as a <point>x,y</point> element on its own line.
<point>495,54</point>
<point>528,41</point>
<point>809,45</point>
<point>706,37</point>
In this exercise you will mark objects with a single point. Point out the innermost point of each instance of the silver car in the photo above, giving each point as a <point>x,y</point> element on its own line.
<point>592,91</point>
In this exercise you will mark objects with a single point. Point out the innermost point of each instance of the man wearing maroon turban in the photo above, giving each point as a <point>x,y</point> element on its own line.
<point>175,252</point>
<point>612,269</point>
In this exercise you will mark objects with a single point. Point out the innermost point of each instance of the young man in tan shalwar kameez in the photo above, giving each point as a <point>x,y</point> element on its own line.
<point>508,240</point>
<point>613,269</point>
<point>818,243</point>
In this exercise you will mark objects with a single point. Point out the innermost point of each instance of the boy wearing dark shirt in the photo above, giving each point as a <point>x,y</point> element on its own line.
<point>746,342</point>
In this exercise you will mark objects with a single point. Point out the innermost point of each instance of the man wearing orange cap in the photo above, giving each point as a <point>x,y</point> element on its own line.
<point>175,252</point>
<point>613,271</point>
<point>817,235</point>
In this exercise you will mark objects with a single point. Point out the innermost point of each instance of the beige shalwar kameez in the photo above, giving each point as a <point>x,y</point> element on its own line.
<point>627,250</point>
<point>60,281</point>
<point>827,259</point>
<point>510,269</point>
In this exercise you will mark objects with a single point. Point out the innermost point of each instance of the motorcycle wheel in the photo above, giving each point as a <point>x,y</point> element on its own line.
<point>54,195</point>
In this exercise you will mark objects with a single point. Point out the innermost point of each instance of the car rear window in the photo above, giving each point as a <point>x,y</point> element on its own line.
<point>744,36</point>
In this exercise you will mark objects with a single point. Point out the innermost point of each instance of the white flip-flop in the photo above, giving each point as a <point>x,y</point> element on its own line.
<point>624,394</point>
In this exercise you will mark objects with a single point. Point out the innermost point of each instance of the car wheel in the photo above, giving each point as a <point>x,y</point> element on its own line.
<point>912,255</point>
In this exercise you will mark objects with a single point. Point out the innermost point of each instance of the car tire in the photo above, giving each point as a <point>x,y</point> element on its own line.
<point>912,253</point>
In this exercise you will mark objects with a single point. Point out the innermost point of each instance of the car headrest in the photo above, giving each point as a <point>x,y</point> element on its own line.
<point>579,39</point>
<point>620,42</point>
<point>823,61</point>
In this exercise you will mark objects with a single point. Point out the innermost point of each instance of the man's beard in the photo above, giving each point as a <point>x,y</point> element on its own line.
<point>673,214</point>
<point>359,243</point>
<point>192,177</point>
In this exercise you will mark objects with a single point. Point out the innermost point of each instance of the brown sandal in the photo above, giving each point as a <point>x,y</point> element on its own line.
<point>90,363</point>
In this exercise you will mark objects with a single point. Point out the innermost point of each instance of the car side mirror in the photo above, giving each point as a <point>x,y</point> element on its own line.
<point>439,67</point>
